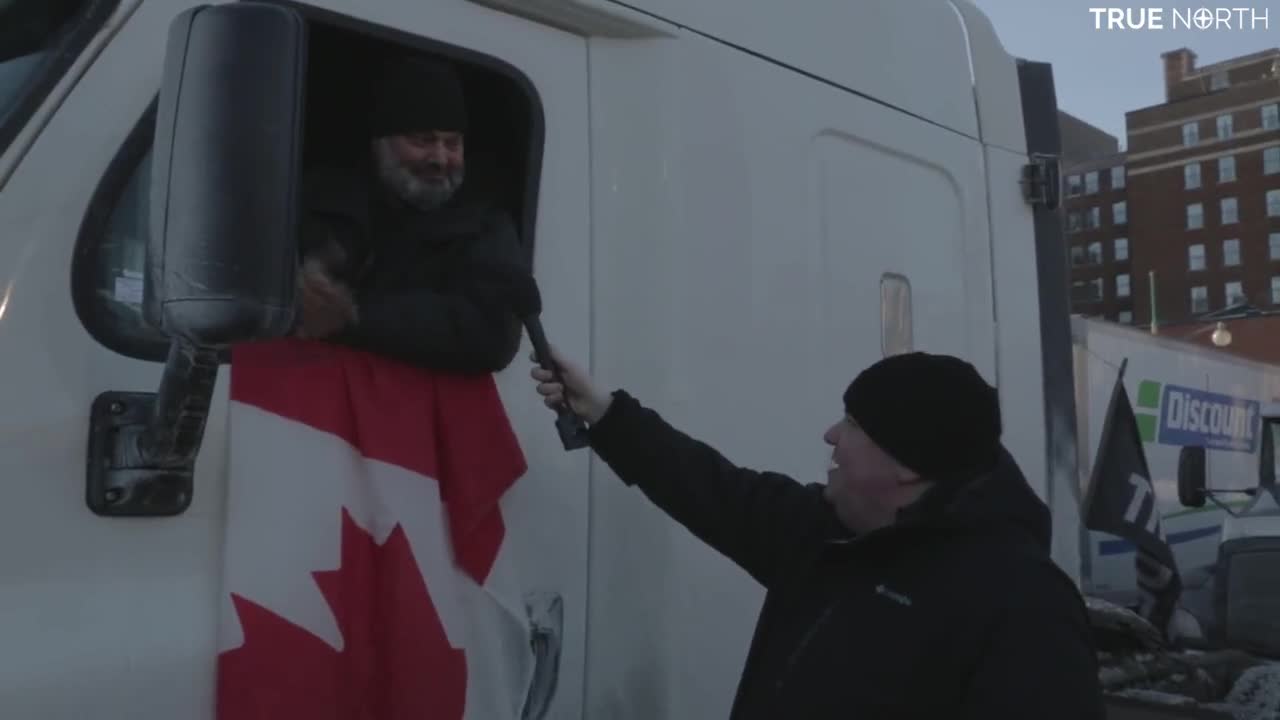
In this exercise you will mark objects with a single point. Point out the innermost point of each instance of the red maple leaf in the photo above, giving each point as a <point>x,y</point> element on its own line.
<point>396,662</point>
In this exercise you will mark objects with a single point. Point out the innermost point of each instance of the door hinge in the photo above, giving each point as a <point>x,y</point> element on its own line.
<point>1041,182</point>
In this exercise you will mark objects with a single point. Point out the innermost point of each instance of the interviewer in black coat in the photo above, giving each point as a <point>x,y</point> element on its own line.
<point>916,583</point>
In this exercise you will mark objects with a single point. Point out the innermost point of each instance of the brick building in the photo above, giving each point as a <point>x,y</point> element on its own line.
<point>1082,142</point>
<point>1096,197</point>
<point>1204,191</point>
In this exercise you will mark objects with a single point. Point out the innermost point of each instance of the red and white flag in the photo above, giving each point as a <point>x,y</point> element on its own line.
<point>362,578</point>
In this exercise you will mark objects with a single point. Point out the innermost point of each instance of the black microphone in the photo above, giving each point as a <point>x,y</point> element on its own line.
<point>521,294</point>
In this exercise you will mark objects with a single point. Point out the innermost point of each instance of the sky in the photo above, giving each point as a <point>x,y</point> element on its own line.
<point>1102,74</point>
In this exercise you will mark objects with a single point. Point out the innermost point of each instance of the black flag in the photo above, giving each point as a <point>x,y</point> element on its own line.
<point>1121,500</point>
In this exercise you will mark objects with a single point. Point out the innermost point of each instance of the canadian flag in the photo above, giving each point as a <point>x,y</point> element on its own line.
<point>362,578</point>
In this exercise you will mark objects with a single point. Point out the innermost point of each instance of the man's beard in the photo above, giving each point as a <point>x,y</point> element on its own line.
<point>407,186</point>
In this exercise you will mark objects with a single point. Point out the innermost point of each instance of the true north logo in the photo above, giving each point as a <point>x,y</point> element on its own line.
<point>1191,417</point>
<point>1184,18</point>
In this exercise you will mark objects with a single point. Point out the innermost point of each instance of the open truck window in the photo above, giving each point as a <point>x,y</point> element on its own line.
<point>504,157</point>
<point>39,40</point>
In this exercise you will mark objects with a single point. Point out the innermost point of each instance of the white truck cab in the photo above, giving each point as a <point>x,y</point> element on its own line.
<point>732,206</point>
<point>1260,515</point>
<point>1235,599</point>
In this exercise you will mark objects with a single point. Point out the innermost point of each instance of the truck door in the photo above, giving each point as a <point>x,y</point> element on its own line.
<point>116,617</point>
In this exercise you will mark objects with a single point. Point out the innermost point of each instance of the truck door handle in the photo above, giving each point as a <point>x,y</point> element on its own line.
<point>546,619</point>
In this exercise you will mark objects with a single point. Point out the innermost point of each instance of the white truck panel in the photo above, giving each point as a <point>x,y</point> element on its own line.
<point>713,228</point>
<point>995,82</point>
<point>129,608</point>
<point>825,38</point>
<point>738,254</point>
<point>117,617</point>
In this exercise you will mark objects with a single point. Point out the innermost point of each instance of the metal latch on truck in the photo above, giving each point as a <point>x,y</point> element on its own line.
<point>1042,181</point>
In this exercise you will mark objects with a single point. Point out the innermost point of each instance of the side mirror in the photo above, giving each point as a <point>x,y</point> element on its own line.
<point>224,193</point>
<point>1191,477</point>
<point>222,261</point>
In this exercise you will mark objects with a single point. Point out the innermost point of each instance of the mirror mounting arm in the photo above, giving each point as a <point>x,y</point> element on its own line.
<point>1213,496</point>
<point>172,437</point>
<point>143,446</point>
<point>1221,505</point>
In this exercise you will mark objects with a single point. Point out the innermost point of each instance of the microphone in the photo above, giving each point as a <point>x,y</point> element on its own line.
<point>520,291</point>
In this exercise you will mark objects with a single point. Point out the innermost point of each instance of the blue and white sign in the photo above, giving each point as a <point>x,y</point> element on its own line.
<point>1198,418</point>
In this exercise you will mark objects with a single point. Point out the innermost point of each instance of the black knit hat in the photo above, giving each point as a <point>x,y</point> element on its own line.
<point>933,413</point>
<point>415,95</point>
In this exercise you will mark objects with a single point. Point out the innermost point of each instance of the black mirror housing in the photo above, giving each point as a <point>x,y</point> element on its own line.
<point>1191,477</point>
<point>223,255</point>
<point>222,260</point>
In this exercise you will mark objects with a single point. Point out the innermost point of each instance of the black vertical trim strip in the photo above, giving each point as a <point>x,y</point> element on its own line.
<point>1040,118</point>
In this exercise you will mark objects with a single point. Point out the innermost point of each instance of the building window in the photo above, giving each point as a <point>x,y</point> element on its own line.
<point>1275,291</point>
<point>1200,299</point>
<point>1195,215</point>
<point>1227,169</point>
<point>1095,253</point>
<point>1120,213</point>
<point>1073,185</point>
<point>1230,211</point>
<point>1126,317</point>
<point>1121,249</point>
<point>1191,176</point>
<point>1093,218</point>
<point>1225,127</point>
<point>1195,257</point>
<point>1190,133</point>
<point>1077,255</point>
<point>1073,221</point>
<point>1270,116</point>
<point>1086,291</point>
<point>1230,252</point>
<point>1234,293</point>
<point>1273,203</point>
<point>1271,161</point>
<point>1273,241</point>
<point>1117,177</point>
<point>1122,286</point>
<point>1091,182</point>
<point>1219,80</point>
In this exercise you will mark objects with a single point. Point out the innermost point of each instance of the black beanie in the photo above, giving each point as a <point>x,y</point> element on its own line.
<point>416,95</point>
<point>933,413</point>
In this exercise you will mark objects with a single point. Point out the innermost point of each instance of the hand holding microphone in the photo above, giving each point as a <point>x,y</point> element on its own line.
<point>569,423</point>
<point>572,387</point>
<point>520,293</point>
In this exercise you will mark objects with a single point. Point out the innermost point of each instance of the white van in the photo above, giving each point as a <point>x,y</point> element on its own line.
<point>732,207</point>
<point>1165,378</point>
<point>1208,421</point>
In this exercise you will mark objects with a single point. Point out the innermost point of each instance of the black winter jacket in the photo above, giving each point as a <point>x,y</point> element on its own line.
<point>956,611</point>
<point>418,278</point>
